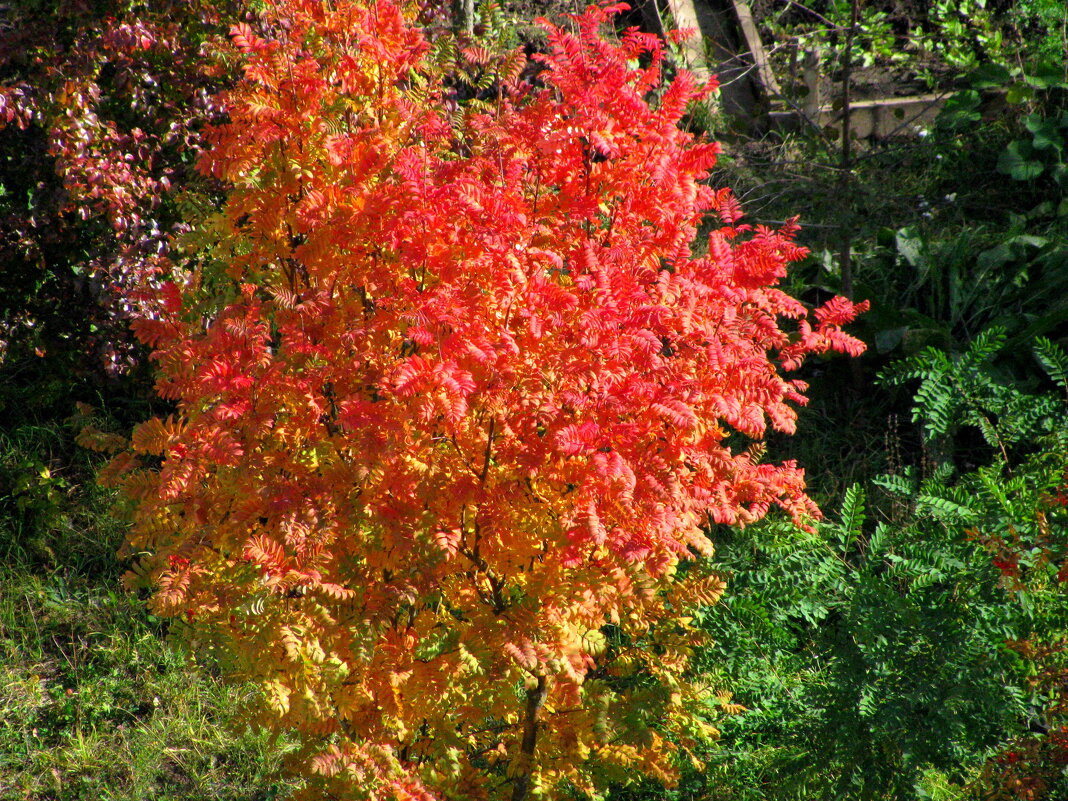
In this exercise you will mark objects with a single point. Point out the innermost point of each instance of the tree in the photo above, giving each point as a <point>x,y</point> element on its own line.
<point>455,400</point>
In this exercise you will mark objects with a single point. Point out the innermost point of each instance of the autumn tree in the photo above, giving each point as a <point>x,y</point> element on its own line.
<point>457,395</point>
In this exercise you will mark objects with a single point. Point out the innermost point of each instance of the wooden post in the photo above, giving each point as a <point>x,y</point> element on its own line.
<point>811,76</point>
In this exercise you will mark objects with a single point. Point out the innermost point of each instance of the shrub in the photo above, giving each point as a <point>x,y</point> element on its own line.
<point>454,402</point>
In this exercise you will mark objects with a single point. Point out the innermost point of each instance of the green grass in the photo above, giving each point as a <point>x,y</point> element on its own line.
<point>95,704</point>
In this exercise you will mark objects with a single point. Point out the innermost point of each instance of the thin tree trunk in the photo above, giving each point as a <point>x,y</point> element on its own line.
<point>535,701</point>
<point>464,16</point>
<point>846,178</point>
<point>846,175</point>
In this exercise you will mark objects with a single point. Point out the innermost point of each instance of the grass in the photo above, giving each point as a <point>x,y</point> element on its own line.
<point>95,704</point>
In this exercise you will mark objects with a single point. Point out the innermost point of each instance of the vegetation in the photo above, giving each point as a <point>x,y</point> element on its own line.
<point>93,702</point>
<point>909,646</point>
<point>452,404</point>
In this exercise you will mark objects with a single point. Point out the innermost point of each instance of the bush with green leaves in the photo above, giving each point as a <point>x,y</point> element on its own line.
<point>875,654</point>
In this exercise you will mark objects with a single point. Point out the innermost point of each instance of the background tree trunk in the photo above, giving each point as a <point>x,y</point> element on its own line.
<point>464,16</point>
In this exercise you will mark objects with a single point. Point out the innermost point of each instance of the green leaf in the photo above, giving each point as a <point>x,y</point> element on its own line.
<point>968,100</point>
<point>889,338</point>
<point>1046,76</point>
<point>944,509</point>
<point>1053,360</point>
<point>910,244</point>
<point>960,109</point>
<point>986,76</point>
<point>894,484</point>
<point>853,512</point>
<point>994,257</point>
<point>1017,160</point>
<point>1019,93</point>
<point>1034,122</point>
<point>1046,133</point>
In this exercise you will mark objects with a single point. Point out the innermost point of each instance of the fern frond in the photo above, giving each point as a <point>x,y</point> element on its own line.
<point>900,485</point>
<point>944,509</point>
<point>853,514</point>
<point>986,345</point>
<point>1053,360</point>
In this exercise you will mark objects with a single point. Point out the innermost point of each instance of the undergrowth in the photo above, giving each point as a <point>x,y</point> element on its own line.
<point>94,703</point>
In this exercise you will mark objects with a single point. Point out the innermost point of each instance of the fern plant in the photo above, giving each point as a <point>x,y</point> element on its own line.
<point>971,389</point>
<point>892,653</point>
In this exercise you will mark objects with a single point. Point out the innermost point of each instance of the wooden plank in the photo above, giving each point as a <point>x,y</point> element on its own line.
<point>715,51</point>
<point>881,117</point>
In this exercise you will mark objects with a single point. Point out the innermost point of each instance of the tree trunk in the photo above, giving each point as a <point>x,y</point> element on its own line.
<point>463,12</point>
<point>535,700</point>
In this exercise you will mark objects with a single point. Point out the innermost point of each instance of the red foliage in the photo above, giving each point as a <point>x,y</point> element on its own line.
<point>455,393</point>
<point>1031,766</point>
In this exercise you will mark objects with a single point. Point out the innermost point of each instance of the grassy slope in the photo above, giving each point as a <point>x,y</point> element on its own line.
<point>94,703</point>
